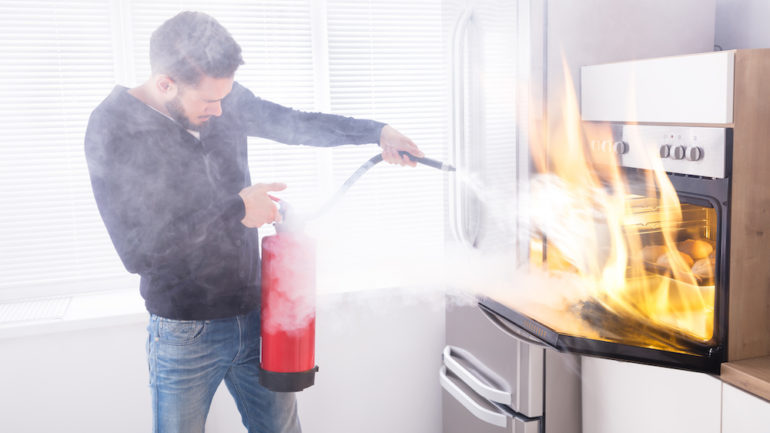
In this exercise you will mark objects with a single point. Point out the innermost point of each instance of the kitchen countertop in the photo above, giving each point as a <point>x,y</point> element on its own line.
<point>751,375</point>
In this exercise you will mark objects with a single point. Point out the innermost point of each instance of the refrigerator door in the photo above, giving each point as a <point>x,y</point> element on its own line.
<point>484,55</point>
<point>467,412</point>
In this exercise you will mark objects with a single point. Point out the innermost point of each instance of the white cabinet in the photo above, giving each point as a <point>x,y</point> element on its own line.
<point>743,412</point>
<point>635,398</point>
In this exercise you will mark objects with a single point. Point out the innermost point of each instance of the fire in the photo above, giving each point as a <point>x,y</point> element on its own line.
<point>623,245</point>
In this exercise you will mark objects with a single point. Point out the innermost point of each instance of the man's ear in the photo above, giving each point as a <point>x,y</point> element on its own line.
<point>165,86</point>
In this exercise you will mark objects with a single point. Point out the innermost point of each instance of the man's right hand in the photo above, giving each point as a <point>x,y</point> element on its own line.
<point>260,208</point>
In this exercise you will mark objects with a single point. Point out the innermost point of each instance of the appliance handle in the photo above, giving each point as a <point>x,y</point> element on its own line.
<point>513,330</point>
<point>470,379</point>
<point>494,417</point>
<point>457,136</point>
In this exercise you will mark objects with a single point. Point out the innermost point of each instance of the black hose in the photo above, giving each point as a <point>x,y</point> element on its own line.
<point>369,164</point>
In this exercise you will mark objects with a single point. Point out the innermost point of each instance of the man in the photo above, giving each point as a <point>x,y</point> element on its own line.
<point>169,172</point>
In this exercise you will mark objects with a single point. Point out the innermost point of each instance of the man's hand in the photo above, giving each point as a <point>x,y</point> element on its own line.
<point>260,208</point>
<point>392,141</point>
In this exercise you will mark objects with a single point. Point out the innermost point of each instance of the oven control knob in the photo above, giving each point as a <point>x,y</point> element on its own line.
<point>665,150</point>
<point>679,152</point>
<point>620,147</point>
<point>695,154</point>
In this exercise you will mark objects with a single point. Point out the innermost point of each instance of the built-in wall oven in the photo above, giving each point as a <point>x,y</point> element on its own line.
<point>658,268</point>
<point>651,212</point>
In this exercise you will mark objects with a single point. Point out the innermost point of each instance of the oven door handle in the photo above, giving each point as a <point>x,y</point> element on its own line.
<point>495,417</point>
<point>451,353</point>
<point>514,330</point>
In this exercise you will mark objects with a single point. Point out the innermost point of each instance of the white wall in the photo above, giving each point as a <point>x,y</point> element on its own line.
<point>378,354</point>
<point>84,381</point>
<point>742,24</point>
<point>589,32</point>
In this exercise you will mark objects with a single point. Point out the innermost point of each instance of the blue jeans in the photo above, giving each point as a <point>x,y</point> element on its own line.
<point>188,360</point>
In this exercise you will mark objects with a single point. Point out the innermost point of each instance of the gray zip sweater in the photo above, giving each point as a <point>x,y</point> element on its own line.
<point>170,201</point>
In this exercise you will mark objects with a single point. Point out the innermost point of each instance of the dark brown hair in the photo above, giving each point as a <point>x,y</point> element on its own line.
<point>192,45</point>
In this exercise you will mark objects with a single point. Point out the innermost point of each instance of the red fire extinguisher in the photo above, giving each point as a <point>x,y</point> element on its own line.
<point>288,311</point>
<point>288,295</point>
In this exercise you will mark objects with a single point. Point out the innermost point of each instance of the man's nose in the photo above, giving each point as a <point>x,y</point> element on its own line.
<point>214,109</point>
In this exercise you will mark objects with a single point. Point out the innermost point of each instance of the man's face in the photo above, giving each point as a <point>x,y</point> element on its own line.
<point>194,105</point>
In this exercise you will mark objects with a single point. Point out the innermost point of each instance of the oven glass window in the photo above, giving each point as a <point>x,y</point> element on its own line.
<point>665,297</point>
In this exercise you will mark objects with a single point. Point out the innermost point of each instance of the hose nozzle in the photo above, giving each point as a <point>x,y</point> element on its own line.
<point>428,161</point>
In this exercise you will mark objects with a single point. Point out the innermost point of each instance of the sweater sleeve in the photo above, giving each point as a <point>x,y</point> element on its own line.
<point>262,118</point>
<point>154,227</point>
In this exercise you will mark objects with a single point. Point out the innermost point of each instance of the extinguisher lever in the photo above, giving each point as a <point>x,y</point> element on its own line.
<point>281,205</point>
<point>288,220</point>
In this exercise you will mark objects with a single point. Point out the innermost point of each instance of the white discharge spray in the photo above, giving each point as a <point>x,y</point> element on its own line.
<point>423,273</point>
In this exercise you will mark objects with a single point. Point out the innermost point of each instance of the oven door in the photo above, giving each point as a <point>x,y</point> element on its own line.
<point>593,328</point>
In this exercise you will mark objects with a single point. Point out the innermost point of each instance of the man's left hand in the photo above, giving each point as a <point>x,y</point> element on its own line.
<point>392,141</point>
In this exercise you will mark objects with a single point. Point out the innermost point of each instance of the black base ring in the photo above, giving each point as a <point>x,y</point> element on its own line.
<point>287,382</point>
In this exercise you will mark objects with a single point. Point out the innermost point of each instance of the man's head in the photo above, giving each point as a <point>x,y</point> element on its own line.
<point>193,60</point>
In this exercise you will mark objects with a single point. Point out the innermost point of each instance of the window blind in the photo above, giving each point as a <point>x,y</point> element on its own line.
<point>364,59</point>
<point>56,65</point>
<point>386,62</point>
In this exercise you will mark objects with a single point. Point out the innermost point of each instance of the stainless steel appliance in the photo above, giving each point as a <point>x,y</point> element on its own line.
<point>506,60</point>
<point>492,380</point>
<point>498,379</point>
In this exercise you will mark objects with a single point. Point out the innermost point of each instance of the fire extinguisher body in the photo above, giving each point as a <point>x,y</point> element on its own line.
<point>287,362</point>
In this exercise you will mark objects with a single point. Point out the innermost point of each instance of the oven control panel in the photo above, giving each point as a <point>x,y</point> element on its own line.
<point>697,151</point>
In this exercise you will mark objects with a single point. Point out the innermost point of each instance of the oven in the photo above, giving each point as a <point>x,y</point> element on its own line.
<point>634,221</point>
<point>670,306</point>
<point>649,213</point>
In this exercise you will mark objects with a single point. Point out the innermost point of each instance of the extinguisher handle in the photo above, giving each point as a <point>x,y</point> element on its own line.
<point>282,206</point>
<point>289,221</point>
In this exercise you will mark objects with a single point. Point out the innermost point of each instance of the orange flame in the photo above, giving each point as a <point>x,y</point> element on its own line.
<point>597,229</point>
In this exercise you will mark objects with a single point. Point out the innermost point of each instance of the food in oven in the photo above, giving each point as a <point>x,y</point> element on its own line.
<point>695,248</point>
<point>667,259</point>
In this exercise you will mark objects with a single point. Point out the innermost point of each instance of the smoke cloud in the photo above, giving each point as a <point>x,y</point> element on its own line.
<point>357,272</point>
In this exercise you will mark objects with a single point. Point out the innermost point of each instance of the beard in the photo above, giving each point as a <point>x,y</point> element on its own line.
<point>176,110</point>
